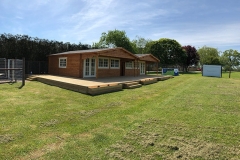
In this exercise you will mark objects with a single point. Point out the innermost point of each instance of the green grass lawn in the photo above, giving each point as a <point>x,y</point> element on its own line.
<point>187,117</point>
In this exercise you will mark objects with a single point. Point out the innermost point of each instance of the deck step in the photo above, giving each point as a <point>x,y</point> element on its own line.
<point>148,81</point>
<point>32,78</point>
<point>134,86</point>
<point>164,78</point>
<point>128,84</point>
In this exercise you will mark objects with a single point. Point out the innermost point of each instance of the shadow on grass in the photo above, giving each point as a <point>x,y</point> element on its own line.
<point>9,83</point>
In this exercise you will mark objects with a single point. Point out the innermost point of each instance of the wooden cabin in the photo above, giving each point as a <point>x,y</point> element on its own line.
<point>99,63</point>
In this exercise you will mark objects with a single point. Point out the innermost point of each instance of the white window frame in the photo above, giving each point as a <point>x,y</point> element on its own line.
<point>90,69</point>
<point>142,67</point>
<point>114,64</point>
<point>104,60</point>
<point>62,64</point>
<point>129,65</point>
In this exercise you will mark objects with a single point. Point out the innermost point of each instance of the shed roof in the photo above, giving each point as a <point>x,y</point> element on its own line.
<point>111,52</point>
<point>147,57</point>
<point>82,51</point>
<point>101,52</point>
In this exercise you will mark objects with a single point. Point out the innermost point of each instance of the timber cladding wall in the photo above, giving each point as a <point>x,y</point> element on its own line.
<point>130,72</point>
<point>53,65</point>
<point>108,73</point>
<point>72,69</point>
<point>81,61</point>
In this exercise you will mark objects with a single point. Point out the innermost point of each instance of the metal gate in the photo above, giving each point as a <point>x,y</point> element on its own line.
<point>12,70</point>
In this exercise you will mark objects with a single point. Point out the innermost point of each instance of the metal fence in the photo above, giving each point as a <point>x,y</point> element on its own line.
<point>11,70</point>
<point>3,64</point>
<point>36,67</point>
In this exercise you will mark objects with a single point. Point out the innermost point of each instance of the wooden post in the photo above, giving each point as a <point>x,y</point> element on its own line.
<point>80,66</point>
<point>96,66</point>
<point>23,73</point>
<point>157,68</point>
<point>145,67</point>
<point>134,68</point>
<point>137,68</point>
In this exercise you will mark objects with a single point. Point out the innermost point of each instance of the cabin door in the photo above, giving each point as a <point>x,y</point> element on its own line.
<point>89,67</point>
<point>142,68</point>
<point>122,69</point>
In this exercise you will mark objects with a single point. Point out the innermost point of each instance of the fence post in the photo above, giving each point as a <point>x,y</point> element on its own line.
<point>23,73</point>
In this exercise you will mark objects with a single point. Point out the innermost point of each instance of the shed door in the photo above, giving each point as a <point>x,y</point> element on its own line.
<point>89,67</point>
<point>142,68</point>
<point>122,69</point>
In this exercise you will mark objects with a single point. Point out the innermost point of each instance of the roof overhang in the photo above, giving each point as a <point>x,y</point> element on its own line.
<point>148,58</point>
<point>118,52</point>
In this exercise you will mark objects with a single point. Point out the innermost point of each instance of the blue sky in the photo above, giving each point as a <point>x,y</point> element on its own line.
<point>214,23</point>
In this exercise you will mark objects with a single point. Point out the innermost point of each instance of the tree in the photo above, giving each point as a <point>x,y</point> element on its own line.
<point>192,55</point>
<point>169,51</point>
<point>148,46</point>
<point>113,39</point>
<point>33,49</point>
<point>209,56</point>
<point>140,44</point>
<point>230,59</point>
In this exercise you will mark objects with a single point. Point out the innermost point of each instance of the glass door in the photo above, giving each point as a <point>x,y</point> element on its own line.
<point>89,67</point>
<point>142,68</point>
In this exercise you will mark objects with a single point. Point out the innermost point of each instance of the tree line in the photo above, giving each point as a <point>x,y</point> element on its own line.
<point>33,48</point>
<point>169,51</point>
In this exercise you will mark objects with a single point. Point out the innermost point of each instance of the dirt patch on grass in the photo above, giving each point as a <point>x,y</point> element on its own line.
<point>114,104</point>
<point>6,138</point>
<point>48,148</point>
<point>154,139</point>
<point>37,154</point>
<point>226,110</point>
<point>86,114</point>
<point>33,126</point>
<point>84,136</point>
<point>49,123</point>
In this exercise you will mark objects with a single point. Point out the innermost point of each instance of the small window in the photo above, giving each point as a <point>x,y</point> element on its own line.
<point>129,65</point>
<point>63,62</point>
<point>115,63</point>
<point>103,62</point>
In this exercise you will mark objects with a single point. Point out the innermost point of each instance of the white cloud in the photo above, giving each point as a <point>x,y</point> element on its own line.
<point>199,35</point>
<point>101,16</point>
<point>217,35</point>
<point>189,22</point>
<point>92,16</point>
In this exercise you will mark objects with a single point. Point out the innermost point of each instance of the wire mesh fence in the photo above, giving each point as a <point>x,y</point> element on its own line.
<point>36,67</point>
<point>11,70</point>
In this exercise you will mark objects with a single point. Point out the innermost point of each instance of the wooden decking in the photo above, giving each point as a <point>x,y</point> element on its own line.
<point>93,86</point>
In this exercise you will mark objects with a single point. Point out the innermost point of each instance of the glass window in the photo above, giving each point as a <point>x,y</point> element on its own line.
<point>129,65</point>
<point>103,62</point>
<point>115,63</point>
<point>63,62</point>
